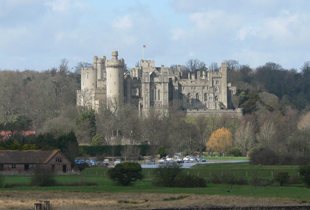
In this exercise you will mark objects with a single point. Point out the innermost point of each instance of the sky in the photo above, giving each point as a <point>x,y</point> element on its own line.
<point>38,34</point>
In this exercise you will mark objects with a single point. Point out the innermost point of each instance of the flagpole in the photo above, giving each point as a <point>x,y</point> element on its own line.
<point>144,46</point>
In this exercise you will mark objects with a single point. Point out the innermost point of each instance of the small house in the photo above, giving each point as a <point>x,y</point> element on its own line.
<point>24,160</point>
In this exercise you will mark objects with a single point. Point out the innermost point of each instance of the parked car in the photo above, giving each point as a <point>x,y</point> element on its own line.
<point>106,162</point>
<point>202,160</point>
<point>162,161</point>
<point>150,162</point>
<point>117,161</point>
<point>180,160</point>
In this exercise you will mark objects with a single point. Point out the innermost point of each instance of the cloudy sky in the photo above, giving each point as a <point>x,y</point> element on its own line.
<point>37,34</point>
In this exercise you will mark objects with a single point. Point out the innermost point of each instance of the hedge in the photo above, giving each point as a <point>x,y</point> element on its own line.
<point>110,150</point>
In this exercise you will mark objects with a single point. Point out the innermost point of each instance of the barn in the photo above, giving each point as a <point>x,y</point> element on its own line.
<point>25,160</point>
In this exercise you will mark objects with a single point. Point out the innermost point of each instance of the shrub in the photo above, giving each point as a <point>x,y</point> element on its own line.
<point>126,173</point>
<point>304,172</point>
<point>166,174</point>
<point>258,181</point>
<point>228,178</point>
<point>189,181</point>
<point>80,167</point>
<point>42,177</point>
<point>234,151</point>
<point>282,177</point>
<point>264,156</point>
<point>1,180</point>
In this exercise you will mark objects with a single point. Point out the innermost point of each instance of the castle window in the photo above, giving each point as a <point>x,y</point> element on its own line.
<point>216,98</point>
<point>217,82</point>
<point>158,95</point>
<point>197,97</point>
<point>205,97</point>
<point>189,97</point>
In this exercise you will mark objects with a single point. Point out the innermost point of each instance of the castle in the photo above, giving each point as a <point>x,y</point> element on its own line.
<point>155,88</point>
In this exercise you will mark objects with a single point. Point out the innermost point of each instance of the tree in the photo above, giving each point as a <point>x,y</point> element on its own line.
<point>244,137</point>
<point>220,140</point>
<point>304,172</point>
<point>265,137</point>
<point>43,177</point>
<point>167,173</point>
<point>196,65</point>
<point>86,125</point>
<point>126,173</point>
<point>282,177</point>
<point>203,132</point>
<point>81,65</point>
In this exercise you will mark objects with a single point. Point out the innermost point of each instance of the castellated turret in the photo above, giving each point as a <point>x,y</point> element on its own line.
<point>89,78</point>
<point>224,84</point>
<point>115,80</point>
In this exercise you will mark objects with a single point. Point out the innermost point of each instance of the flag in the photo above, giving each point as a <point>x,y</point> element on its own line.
<point>144,46</point>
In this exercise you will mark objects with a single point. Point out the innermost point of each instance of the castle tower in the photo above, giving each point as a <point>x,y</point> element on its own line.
<point>224,83</point>
<point>115,81</point>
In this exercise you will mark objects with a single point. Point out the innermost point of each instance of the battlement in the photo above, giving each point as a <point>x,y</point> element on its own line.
<point>87,69</point>
<point>147,63</point>
<point>114,61</point>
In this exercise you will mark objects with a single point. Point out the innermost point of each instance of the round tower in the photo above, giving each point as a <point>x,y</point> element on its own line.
<point>115,80</point>
<point>88,78</point>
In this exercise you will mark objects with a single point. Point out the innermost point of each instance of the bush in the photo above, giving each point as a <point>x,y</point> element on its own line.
<point>227,178</point>
<point>42,177</point>
<point>234,151</point>
<point>80,167</point>
<point>258,181</point>
<point>282,177</point>
<point>166,174</point>
<point>264,156</point>
<point>189,181</point>
<point>126,173</point>
<point>304,172</point>
<point>1,180</point>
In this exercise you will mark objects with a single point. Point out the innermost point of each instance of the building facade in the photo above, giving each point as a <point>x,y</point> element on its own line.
<point>155,88</point>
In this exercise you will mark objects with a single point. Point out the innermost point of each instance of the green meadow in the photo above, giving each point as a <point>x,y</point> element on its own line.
<point>208,171</point>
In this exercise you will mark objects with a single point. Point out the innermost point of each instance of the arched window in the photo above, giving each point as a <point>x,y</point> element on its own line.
<point>216,98</point>
<point>205,97</point>
<point>197,97</point>
<point>189,98</point>
<point>158,95</point>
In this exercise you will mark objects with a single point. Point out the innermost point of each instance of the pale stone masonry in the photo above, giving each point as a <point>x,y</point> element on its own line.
<point>149,87</point>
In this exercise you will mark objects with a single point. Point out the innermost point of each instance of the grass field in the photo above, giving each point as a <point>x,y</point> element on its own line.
<point>297,192</point>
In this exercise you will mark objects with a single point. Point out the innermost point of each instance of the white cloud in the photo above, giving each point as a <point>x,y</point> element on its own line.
<point>59,5</point>
<point>123,22</point>
<point>178,34</point>
<point>245,32</point>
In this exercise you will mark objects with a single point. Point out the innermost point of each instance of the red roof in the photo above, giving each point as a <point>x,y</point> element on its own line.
<point>4,135</point>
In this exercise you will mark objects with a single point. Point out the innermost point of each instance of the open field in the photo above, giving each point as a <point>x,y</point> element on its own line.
<point>146,196</point>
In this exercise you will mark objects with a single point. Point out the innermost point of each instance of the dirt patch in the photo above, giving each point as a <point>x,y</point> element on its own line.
<point>108,201</point>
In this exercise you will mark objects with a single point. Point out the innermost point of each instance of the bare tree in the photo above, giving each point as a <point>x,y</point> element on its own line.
<point>203,132</point>
<point>266,135</point>
<point>244,137</point>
